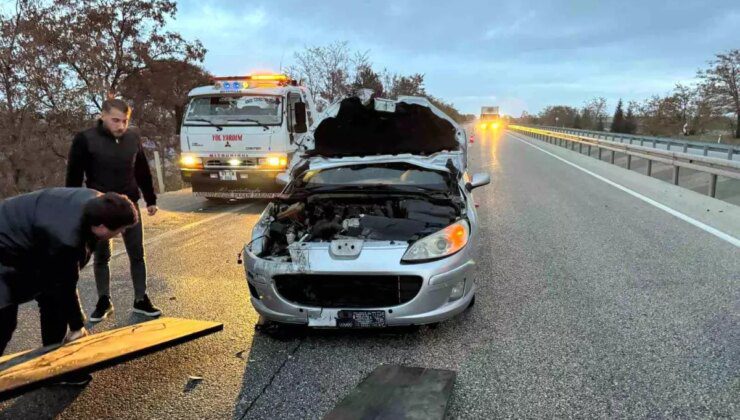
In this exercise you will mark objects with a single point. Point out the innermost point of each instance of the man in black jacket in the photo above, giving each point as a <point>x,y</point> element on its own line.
<point>110,157</point>
<point>46,237</point>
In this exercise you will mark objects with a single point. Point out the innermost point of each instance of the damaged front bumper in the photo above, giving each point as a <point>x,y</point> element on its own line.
<point>319,287</point>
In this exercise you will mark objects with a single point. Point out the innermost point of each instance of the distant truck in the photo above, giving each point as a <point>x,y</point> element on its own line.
<point>240,132</point>
<point>490,119</point>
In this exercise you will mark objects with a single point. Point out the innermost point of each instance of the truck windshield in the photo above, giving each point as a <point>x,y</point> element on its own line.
<point>236,109</point>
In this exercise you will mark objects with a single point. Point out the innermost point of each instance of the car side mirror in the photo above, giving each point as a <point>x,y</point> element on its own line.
<point>299,108</point>
<point>282,178</point>
<point>480,179</point>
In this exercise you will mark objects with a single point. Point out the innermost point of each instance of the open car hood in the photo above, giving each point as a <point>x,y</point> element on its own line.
<point>410,129</point>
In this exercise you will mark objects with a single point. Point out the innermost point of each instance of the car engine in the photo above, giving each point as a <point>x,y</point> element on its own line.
<point>320,218</point>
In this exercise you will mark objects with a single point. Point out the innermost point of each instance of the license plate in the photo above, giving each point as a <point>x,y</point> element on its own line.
<point>360,319</point>
<point>227,175</point>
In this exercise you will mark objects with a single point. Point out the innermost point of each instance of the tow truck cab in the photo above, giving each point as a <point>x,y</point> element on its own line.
<point>240,132</point>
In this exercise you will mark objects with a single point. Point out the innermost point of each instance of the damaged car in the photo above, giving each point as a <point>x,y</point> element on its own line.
<point>375,226</point>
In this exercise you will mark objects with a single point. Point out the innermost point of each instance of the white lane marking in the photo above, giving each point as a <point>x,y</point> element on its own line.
<point>187,227</point>
<point>718,233</point>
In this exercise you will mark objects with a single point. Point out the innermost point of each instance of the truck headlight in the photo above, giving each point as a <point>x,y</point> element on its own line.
<point>188,161</point>
<point>274,161</point>
<point>439,244</point>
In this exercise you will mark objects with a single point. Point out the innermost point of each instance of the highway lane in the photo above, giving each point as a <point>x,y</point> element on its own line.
<point>591,303</point>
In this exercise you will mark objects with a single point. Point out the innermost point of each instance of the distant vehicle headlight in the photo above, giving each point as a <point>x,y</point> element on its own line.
<point>439,244</point>
<point>483,126</point>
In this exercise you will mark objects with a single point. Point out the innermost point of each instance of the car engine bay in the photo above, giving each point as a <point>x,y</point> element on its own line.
<point>326,217</point>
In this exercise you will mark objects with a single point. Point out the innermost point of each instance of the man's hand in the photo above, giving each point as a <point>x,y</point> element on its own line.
<point>152,210</point>
<point>74,335</point>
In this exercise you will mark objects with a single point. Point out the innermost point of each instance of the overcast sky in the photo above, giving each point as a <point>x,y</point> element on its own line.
<point>521,55</point>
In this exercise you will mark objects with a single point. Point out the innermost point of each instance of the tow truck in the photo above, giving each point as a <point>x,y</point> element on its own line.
<point>490,119</point>
<point>240,132</point>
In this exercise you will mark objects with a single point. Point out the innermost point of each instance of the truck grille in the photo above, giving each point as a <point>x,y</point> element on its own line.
<point>347,291</point>
<point>211,163</point>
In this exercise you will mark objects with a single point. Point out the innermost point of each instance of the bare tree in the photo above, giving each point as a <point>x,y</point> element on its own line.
<point>594,112</point>
<point>54,72</point>
<point>721,82</point>
<point>328,70</point>
<point>102,42</point>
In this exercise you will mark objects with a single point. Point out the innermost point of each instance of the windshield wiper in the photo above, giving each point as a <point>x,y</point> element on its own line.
<point>211,123</point>
<point>265,126</point>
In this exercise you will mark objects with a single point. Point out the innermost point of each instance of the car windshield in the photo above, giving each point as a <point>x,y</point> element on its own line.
<point>376,176</point>
<point>236,109</point>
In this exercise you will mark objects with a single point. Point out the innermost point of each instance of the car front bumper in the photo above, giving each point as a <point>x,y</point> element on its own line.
<point>431,304</point>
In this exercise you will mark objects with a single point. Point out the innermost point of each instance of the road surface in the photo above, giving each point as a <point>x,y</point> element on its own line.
<point>592,302</point>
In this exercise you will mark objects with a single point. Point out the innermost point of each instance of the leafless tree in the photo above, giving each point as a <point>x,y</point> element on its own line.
<point>721,82</point>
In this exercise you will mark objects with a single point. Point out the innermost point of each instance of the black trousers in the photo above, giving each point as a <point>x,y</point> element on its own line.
<point>53,322</point>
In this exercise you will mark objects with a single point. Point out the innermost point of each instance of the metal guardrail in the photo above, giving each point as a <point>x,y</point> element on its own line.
<point>714,166</point>
<point>728,150</point>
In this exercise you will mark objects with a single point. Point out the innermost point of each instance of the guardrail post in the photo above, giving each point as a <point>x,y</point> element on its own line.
<point>675,175</point>
<point>629,162</point>
<point>706,150</point>
<point>611,158</point>
<point>580,147</point>
<point>685,147</point>
<point>599,149</point>
<point>668,145</point>
<point>729,153</point>
<point>158,168</point>
<point>712,185</point>
<point>654,144</point>
<point>642,142</point>
<point>589,150</point>
<point>650,168</point>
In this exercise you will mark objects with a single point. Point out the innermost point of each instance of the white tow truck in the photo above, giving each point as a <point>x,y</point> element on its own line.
<point>240,132</point>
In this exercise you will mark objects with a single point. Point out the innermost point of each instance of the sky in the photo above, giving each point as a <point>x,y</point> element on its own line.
<point>521,55</point>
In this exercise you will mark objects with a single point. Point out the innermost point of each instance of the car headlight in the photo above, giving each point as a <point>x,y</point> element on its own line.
<point>439,244</point>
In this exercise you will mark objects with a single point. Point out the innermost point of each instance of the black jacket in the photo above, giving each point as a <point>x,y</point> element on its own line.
<point>110,164</point>
<point>44,243</point>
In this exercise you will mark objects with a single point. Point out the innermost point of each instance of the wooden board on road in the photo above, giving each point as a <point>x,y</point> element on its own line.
<point>398,392</point>
<point>24,371</point>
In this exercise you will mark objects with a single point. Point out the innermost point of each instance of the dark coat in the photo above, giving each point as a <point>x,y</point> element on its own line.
<point>110,164</point>
<point>44,243</point>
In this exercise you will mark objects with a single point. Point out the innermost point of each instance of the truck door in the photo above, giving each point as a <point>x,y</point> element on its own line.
<point>293,98</point>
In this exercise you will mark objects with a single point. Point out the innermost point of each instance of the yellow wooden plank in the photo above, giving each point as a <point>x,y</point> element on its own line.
<point>22,371</point>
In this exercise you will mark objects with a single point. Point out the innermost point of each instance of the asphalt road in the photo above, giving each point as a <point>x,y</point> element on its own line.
<point>591,303</point>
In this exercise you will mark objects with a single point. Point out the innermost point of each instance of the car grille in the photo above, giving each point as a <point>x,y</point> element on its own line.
<point>344,291</point>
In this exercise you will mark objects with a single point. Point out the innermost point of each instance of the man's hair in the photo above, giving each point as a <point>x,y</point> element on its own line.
<point>118,104</point>
<point>111,210</point>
